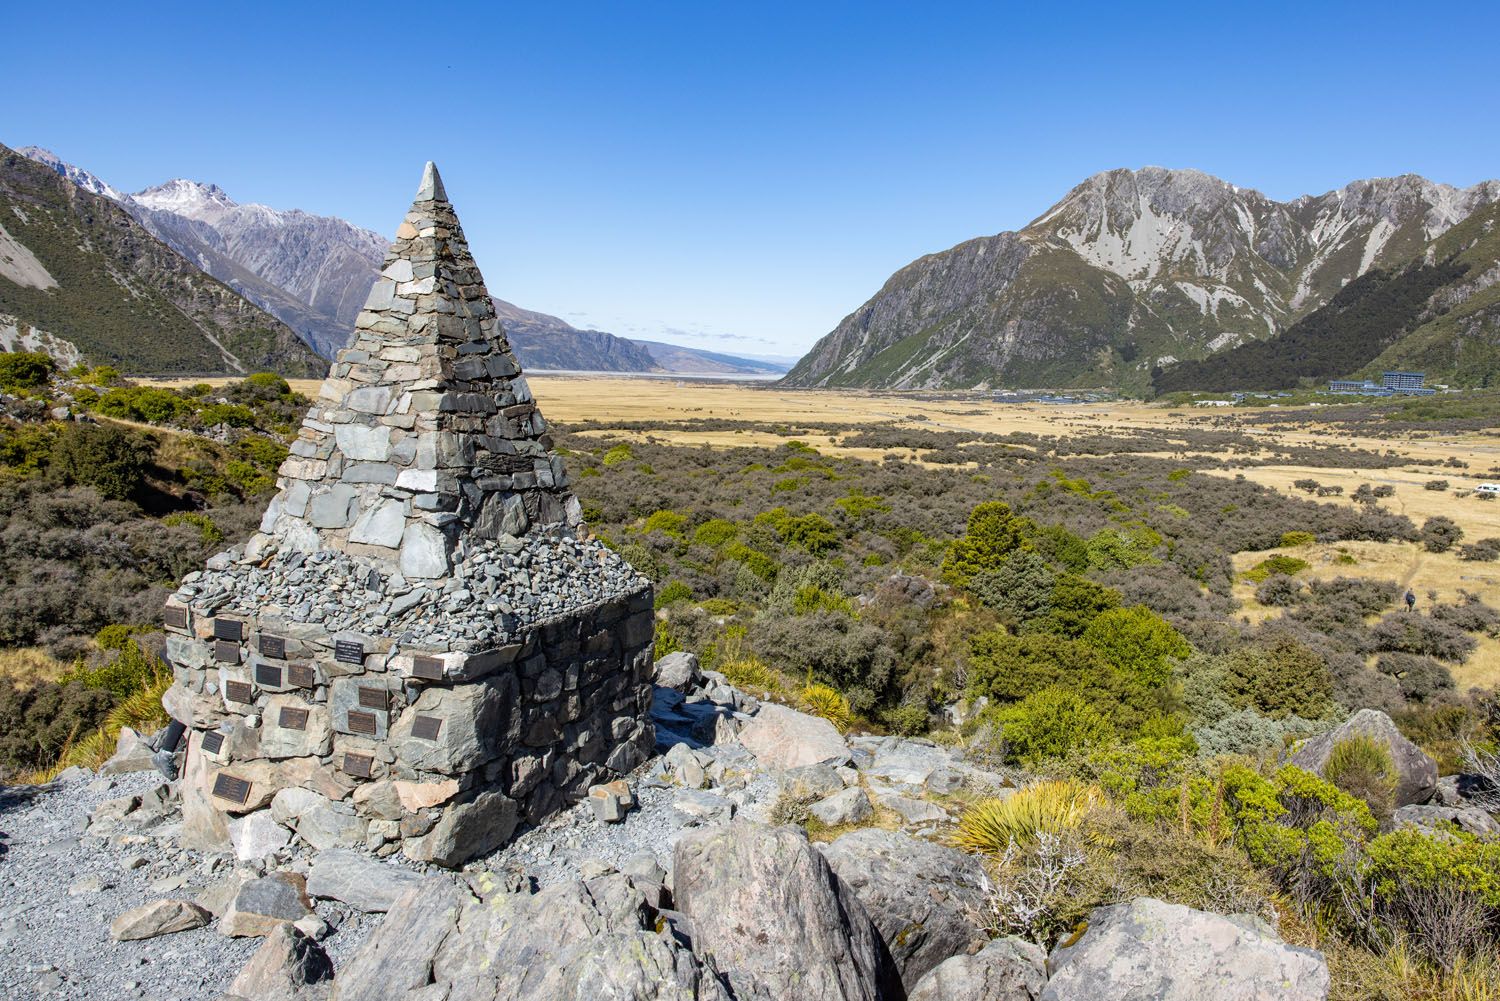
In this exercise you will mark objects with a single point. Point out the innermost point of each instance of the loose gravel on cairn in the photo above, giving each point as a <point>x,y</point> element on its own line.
<point>497,590</point>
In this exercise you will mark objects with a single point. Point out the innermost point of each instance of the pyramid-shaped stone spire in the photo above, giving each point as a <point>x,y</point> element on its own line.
<point>425,430</point>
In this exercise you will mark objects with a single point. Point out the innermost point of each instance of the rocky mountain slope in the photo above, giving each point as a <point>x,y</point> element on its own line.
<point>313,272</point>
<point>1131,271</point>
<point>80,276</point>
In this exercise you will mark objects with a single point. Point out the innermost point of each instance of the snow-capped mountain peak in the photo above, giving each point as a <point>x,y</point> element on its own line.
<point>193,199</point>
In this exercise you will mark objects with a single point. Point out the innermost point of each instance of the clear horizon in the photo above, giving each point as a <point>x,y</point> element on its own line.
<point>739,181</point>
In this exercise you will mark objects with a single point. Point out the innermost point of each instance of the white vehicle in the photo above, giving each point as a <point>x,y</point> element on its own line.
<point>1488,488</point>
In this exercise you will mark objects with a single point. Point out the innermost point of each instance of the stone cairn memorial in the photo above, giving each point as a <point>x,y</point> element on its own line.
<point>417,652</point>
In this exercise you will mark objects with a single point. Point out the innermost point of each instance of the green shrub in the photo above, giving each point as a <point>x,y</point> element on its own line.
<point>618,454</point>
<point>674,591</point>
<point>909,719</point>
<point>1279,679</point>
<point>1277,564</point>
<point>1121,549</point>
<point>1297,538</point>
<point>1051,723</point>
<point>1075,603</point>
<point>23,370</point>
<point>110,460</point>
<point>211,533</point>
<point>147,404</point>
<point>668,523</point>
<point>233,414</point>
<point>1137,641</point>
<point>993,534</point>
<point>811,598</point>
<point>811,532</point>
<point>715,532</point>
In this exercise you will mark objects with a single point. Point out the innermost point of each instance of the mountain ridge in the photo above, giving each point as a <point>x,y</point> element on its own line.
<point>314,272</point>
<point>83,280</point>
<point>1130,271</point>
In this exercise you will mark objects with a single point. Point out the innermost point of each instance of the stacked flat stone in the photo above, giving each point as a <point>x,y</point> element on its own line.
<point>416,652</point>
<point>425,429</point>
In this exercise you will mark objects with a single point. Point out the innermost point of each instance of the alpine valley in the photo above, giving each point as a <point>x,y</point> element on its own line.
<point>313,273</point>
<point>1154,279</point>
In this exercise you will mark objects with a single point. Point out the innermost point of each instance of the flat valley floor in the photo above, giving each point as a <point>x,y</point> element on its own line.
<point>703,412</point>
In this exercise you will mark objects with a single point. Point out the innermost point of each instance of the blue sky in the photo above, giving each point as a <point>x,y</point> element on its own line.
<point>740,176</point>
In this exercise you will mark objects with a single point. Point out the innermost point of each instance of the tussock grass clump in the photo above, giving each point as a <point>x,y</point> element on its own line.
<point>1050,807</point>
<point>829,703</point>
<point>1361,766</point>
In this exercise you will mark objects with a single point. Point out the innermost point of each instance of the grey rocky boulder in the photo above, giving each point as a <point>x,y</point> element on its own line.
<point>810,782</point>
<point>160,917</point>
<point>260,905</point>
<point>782,738</point>
<point>768,912</point>
<point>289,966</point>
<point>852,806</point>
<point>358,880</point>
<point>1148,950</point>
<point>1008,969</point>
<point>1417,773</point>
<point>923,897</point>
<point>1467,818</point>
<point>677,671</point>
<point>448,938</point>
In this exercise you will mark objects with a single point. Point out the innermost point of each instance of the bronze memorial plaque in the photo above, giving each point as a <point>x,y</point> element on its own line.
<point>239,691</point>
<point>302,675</point>
<point>227,786</point>
<point>374,698</point>
<point>427,668</point>
<point>175,616</point>
<point>229,629</point>
<point>272,646</point>
<point>426,727</point>
<point>226,652</point>
<point>361,722</point>
<point>358,765</point>
<point>349,651</point>
<point>292,718</point>
<point>213,742</point>
<point>268,675</point>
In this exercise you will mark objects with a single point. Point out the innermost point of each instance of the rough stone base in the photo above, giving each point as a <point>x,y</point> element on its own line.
<point>352,742</point>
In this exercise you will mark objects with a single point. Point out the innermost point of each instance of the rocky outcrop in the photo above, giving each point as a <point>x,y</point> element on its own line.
<point>1416,772</point>
<point>591,939</point>
<point>1148,950</point>
<point>924,898</point>
<point>774,919</point>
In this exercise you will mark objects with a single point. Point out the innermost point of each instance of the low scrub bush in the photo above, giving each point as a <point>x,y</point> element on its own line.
<point>1406,632</point>
<point>1440,534</point>
<point>1278,564</point>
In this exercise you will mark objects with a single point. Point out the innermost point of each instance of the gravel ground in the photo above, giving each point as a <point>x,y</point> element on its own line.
<point>60,887</point>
